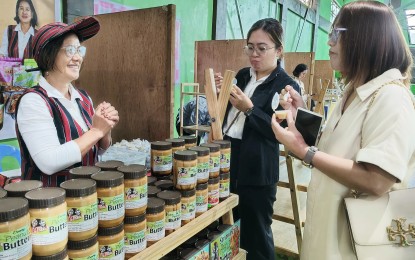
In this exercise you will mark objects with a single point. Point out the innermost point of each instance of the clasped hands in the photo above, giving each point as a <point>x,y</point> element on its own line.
<point>105,117</point>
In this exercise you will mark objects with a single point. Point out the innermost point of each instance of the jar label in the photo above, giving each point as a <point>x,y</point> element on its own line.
<point>173,219</point>
<point>135,197</point>
<point>201,203</point>
<point>93,256</point>
<point>52,230</point>
<point>214,163</point>
<point>162,163</point>
<point>213,199</point>
<point>189,210</point>
<point>186,175</point>
<point>203,171</point>
<point>225,160</point>
<point>224,189</point>
<point>84,218</point>
<point>110,208</point>
<point>155,230</point>
<point>135,242</point>
<point>15,244</point>
<point>113,251</point>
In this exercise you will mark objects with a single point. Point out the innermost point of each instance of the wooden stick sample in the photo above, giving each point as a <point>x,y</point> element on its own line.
<point>225,91</point>
<point>212,102</point>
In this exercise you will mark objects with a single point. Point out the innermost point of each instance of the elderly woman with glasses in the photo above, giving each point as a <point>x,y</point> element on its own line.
<point>368,143</point>
<point>57,125</point>
<point>247,124</point>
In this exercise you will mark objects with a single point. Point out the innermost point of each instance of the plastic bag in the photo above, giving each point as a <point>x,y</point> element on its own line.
<point>6,70</point>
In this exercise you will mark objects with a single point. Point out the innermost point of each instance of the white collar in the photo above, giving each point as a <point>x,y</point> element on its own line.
<point>19,28</point>
<point>370,87</point>
<point>53,92</point>
<point>252,73</point>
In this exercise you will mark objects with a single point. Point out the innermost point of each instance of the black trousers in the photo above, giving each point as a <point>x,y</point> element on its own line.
<point>255,211</point>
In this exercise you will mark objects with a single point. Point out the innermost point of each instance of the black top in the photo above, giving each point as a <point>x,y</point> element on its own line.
<point>259,150</point>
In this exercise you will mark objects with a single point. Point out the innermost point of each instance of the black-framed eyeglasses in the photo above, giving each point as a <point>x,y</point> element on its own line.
<point>335,33</point>
<point>71,50</point>
<point>260,50</point>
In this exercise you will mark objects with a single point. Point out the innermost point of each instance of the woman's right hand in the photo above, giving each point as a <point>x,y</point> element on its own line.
<point>218,81</point>
<point>100,122</point>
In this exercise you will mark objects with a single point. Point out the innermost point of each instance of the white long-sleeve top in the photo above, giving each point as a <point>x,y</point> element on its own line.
<point>38,131</point>
<point>22,40</point>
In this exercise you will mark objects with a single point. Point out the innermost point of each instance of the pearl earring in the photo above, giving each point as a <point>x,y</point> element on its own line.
<point>47,73</point>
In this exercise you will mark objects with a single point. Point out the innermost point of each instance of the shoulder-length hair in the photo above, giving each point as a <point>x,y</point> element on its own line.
<point>33,22</point>
<point>373,42</point>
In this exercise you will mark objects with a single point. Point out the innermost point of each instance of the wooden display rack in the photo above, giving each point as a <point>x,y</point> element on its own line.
<point>170,242</point>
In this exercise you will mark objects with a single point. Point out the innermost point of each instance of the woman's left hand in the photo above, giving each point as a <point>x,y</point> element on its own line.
<point>239,100</point>
<point>289,136</point>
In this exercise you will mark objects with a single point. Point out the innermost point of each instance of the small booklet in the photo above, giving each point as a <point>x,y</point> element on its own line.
<point>308,123</point>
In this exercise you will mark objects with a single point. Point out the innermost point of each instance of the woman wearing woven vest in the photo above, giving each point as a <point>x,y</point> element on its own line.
<point>368,143</point>
<point>57,126</point>
<point>17,39</point>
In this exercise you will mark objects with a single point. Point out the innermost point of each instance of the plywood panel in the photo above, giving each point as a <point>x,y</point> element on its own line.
<point>219,55</point>
<point>130,64</point>
<point>322,71</point>
<point>292,59</point>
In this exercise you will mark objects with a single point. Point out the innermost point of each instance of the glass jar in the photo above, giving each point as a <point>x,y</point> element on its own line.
<point>62,255</point>
<point>202,195</point>
<point>19,189</point>
<point>185,169</point>
<point>134,234</point>
<point>83,172</point>
<point>155,216</point>
<point>82,208</point>
<point>213,189</point>
<point>225,154</point>
<point>203,160</point>
<point>188,205</point>
<point>214,160</point>
<point>110,165</point>
<point>161,158</point>
<point>224,184</point>
<point>110,190</point>
<point>84,249</point>
<point>135,189</point>
<point>172,208</point>
<point>111,242</point>
<point>189,140</point>
<point>177,144</point>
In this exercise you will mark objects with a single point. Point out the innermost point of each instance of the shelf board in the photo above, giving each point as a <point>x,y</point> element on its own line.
<point>241,255</point>
<point>203,128</point>
<point>194,93</point>
<point>172,241</point>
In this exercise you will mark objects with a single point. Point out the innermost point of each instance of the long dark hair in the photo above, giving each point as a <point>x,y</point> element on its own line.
<point>272,27</point>
<point>298,69</point>
<point>33,21</point>
<point>373,42</point>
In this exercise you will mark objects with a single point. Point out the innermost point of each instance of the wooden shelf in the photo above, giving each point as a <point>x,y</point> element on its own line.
<point>241,255</point>
<point>172,241</point>
<point>203,128</point>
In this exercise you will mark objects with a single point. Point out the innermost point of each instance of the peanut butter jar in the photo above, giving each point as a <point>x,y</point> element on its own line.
<point>134,234</point>
<point>19,189</point>
<point>152,191</point>
<point>110,165</point>
<point>161,158</point>
<point>83,172</point>
<point>164,184</point>
<point>111,242</point>
<point>15,237</point>
<point>82,208</point>
<point>185,170</point>
<point>188,205</point>
<point>155,216</point>
<point>47,209</point>
<point>225,154</point>
<point>151,180</point>
<point>202,195</point>
<point>110,189</point>
<point>203,158</point>
<point>85,249</point>
<point>189,140</point>
<point>135,189</point>
<point>213,195</point>
<point>214,160</point>
<point>224,184</point>
<point>173,209</point>
<point>177,144</point>
<point>62,255</point>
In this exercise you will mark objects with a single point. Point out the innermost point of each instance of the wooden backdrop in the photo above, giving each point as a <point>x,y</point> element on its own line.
<point>130,63</point>
<point>322,71</point>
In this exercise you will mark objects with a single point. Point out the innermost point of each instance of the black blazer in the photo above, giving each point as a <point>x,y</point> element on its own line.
<point>259,152</point>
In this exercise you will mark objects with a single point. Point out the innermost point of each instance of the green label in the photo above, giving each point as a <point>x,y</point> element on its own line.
<point>214,163</point>
<point>155,230</point>
<point>225,160</point>
<point>224,189</point>
<point>173,219</point>
<point>110,208</point>
<point>46,231</point>
<point>135,197</point>
<point>113,251</point>
<point>15,244</point>
<point>189,210</point>
<point>203,171</point>
<point>201,203</point>
<point>135,242</point>
<point>94,256</point>
<point>84,218</point>
<point>186,175</point>
<point>162,163</point>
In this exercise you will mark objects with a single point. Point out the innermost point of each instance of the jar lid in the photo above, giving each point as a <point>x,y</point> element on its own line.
<point>176,142</point>
<point>164,177</point>
<point>110,231</point>
<point>45,197</point>
<point>83,172</point>
<point>201,151</point>
<point>19,189</point>
<point>188,193</point>
<point>224,175</point>
<point>223,227</point>
<point>62,255</point>
<point>186,155</point>
<point>214,180</point>
<point>161,145</point>
<point>202,186</point>
<point>191,242</point>
<point>164,184</point>
<point>79,187</point>
<point>203,234</point>
<point>170,197</point>
<point>152,191</point>
<point>223,143</point>
<point>108,179</point>
<point>212,226</point>
<point>151,180</point>
<point>212,147</point>
<point>201,243</point>
<point>3,193</point>
<point>128,220</point>
<point>213,235</point>
<point>109,165</point>
<point>189,139</point>
<point>13,208</point>
<point>83,244</point>
<point>133,171</point>
<point>155,205</point>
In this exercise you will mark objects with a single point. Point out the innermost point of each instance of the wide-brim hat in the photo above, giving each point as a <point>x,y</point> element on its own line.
<point>84,29</point>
